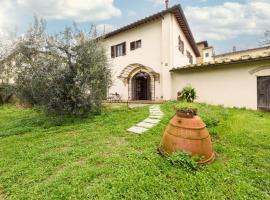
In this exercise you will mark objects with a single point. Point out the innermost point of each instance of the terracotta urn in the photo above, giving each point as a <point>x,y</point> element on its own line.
<point>187,132</point>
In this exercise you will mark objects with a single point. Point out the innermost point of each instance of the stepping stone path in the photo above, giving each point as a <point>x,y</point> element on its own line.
<point>155,115</point>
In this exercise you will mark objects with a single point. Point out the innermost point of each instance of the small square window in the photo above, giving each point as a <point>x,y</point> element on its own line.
<point>206,55</point>
<point>135,45</point>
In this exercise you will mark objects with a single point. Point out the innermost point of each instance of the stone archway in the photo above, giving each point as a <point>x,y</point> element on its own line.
<point>141,86</point>
<point>129,74</point>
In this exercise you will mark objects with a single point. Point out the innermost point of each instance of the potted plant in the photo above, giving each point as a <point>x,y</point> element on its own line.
<point>186,112</point>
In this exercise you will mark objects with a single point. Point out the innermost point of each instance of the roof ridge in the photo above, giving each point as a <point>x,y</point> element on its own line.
<point>139,20</point>
<point>243,50</point>
<point>181,19</point>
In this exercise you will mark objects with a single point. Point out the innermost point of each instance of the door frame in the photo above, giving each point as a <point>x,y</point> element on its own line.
<point>267,92</point>
<point>134,82</point>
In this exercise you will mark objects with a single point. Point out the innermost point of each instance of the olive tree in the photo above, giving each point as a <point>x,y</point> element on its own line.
<point>7,45</point>
<point>65,74</point>
<point>266,40</point>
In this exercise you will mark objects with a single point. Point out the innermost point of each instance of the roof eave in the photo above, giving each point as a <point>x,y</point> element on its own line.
<point>213,65</point>
<point>177,11</point>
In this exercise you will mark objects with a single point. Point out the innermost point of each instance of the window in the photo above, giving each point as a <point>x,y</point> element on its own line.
<point>181,45</point>
<point>118,50</point>
<point>135,45</point>
<point>190,57</point>
<point>206,55</point>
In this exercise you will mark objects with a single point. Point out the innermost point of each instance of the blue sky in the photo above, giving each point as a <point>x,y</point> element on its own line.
<point>224,23</point>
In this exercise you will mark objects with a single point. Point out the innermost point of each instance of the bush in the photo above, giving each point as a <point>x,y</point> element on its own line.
<point>64,74</point>
<point>6,93</point>
<point>185,160</point>
<point>188,94</point>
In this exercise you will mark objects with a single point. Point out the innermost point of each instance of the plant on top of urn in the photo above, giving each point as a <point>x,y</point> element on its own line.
<point>188,110</point>
<point>185,160</point>
<point>187,94</point>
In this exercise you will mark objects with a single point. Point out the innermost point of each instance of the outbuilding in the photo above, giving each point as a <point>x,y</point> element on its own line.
<point>240,82</point>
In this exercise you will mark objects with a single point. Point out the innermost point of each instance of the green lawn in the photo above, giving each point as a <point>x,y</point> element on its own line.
<point>95,158</point>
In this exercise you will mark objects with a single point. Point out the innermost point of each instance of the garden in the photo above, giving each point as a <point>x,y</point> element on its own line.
<point>58,140</point>
<point>96,158</point>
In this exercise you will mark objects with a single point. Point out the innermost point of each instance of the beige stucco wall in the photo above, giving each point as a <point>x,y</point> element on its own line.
<point>234,85</point>
<point>149,55</point>
<point>180,59</point>
<point>210,51</point>
<point>159,51</point>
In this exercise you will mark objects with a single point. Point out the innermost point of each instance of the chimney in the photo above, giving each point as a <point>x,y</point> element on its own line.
<point>167,4</point>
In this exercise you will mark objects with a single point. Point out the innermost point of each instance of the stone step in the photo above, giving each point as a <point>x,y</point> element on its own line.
<point>137,130</point>
<point>153,121</point>
<point>145,125</point>
<point>155,116</point>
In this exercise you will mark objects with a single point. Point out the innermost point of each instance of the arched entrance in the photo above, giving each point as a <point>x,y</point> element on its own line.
<point>141,86</point>
<point>141,82</point>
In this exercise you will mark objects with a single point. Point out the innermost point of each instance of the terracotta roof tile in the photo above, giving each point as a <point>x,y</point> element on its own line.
<point>220,63</point>
<point>180,16</point>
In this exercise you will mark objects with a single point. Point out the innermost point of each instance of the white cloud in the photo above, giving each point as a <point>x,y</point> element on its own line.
<point>5,6</point>
<point>76,10</point>
<point>229,20</point>
<point>157,1</point>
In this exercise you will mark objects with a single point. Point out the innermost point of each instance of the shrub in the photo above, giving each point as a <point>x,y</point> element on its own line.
<point>188,94</point>
<point>185,160</point>
<point>64,74</point>
<point>6,93</point>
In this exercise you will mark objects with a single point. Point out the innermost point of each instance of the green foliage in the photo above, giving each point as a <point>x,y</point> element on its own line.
<point>64,74</point>
<point>6,93</point>
<point>185,160</point>
<point>188,110</point>
<point>188,94</point>
<point>213,117</point>
<point>95,158</point>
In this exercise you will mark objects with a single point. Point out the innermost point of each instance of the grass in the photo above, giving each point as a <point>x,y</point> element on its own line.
<point>95,158</point>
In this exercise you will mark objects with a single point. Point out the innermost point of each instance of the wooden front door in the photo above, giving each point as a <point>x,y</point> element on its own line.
<point>141,87</point>
<point>263,85</point>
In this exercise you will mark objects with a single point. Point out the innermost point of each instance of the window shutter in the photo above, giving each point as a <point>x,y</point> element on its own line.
<point>132,46</point>
<point>183,47</point>
<point>179,43</point>
<point>112,51</point>
<point>139,44</point>
<point>124,48</point>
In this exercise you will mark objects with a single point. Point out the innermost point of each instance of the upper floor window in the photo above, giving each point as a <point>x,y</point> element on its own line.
<point>206,55</point>
<point>118,50</point>
<point>181,45</point>
<point>190,57</point>
<point>135,45</point>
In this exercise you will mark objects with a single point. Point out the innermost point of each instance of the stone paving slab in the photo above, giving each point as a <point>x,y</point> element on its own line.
<point>138,130</point>
<point>145,125</point>
<point>155,115</point>
<point>153,121</point>
<point>154,109</point>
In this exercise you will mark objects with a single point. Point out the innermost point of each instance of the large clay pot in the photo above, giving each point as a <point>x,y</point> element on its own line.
<point>187,134</point>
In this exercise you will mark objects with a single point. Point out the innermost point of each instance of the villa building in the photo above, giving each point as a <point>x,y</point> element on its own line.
<point>155,57</point>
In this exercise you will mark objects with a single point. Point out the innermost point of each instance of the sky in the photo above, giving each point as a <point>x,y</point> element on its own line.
<point>223,23</point>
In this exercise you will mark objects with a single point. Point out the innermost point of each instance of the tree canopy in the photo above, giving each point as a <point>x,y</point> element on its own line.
<point>65,74</point>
